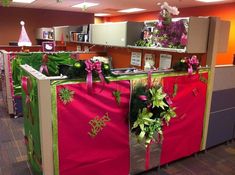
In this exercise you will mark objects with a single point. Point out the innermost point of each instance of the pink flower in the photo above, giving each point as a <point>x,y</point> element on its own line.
<point>168,100</point>
<point>170,9</point>
<point>184,40</point>
<point>159,25</point>
<point>194,60</point>
<point>143,97</point>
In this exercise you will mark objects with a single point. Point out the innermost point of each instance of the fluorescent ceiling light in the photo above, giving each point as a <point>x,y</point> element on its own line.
<point>23,1</point>
<point>208,1</point>
<point>131,10</point>
<point>102,14</point>
<point>85,4</point>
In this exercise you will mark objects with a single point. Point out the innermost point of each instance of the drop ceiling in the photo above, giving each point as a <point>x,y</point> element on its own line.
<point>112,6</point>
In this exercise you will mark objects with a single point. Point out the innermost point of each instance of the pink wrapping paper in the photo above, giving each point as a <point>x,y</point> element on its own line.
<point>108,152</point>
<point>184,134</point>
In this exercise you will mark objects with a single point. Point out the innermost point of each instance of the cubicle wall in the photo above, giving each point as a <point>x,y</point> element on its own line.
<point>67,113</point>
<point>222,115</point>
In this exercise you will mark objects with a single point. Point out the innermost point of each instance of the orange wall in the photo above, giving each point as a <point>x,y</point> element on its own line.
<point>10,18</point>
<point>225,12</point>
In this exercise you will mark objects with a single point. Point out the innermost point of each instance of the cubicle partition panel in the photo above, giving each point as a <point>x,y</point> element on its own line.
<point>83,133</point>
<point>30,100</point>
<point>222,115</point>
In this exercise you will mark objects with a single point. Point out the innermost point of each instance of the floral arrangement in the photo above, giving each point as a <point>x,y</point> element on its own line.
<point>151,109</point>
<point>189,64</point>
<point>165,32</point>
<point>170,34</point>
<point>166,12</point>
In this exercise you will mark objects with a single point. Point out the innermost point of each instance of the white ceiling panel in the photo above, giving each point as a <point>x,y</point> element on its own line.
<point>112,6</point>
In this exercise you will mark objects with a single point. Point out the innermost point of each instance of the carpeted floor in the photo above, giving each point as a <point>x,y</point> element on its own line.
<point>219,160</point>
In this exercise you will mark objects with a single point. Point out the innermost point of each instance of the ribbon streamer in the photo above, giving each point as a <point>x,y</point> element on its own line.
<point>44,64</point>
<point>149,85</point>
<point>26,88</point>
<point>24,83</point>
<point>147,157</point>
<point>44,68</point>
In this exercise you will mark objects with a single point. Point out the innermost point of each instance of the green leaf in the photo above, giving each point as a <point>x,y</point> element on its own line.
<point>117,95</point>
<point>157,97</point>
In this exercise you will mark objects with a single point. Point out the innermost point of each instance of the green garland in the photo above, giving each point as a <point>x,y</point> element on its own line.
<point>78,70</point>
<point>149,113</point>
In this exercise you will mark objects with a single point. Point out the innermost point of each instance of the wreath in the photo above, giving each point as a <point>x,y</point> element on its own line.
<point>151,109</point>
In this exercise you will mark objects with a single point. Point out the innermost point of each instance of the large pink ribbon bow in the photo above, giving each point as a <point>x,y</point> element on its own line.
<point>93,66</point>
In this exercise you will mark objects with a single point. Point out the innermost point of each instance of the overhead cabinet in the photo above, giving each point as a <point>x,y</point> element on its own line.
<point>45,33</point>
<point>66,33</point>
<point>198,29</point>
<point>116,34</point>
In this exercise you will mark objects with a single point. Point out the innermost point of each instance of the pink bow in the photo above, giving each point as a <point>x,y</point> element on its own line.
<point>90,66</point>
<point>192,61</point>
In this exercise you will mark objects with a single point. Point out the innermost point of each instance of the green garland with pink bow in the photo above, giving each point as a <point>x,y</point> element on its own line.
<point>88,71</point>
<point>188,64</point>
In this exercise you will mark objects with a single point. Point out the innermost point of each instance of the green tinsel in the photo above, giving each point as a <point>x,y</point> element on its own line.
<point>78,70</point>
<point>5,3</point>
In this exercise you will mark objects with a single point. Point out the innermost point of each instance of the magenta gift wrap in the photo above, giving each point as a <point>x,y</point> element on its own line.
<point>183,136</point>
<point>93,129</point>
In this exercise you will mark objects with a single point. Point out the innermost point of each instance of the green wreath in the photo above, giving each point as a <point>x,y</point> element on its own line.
<point>150,111</point>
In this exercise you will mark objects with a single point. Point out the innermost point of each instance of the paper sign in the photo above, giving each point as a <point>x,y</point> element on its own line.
<point>136,58</point>
<point>149,61</point>
<point>79,48</point>
<point>165,61</point>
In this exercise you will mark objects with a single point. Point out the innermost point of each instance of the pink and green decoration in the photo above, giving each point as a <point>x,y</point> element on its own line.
<point>165,32</point>
<point>151,109</point>
<point>188,64</point>
<point>89,71</point>
<point>48,64</point>
<point>31,122</point>
<point>91,131</point>
<point>101,130</point>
